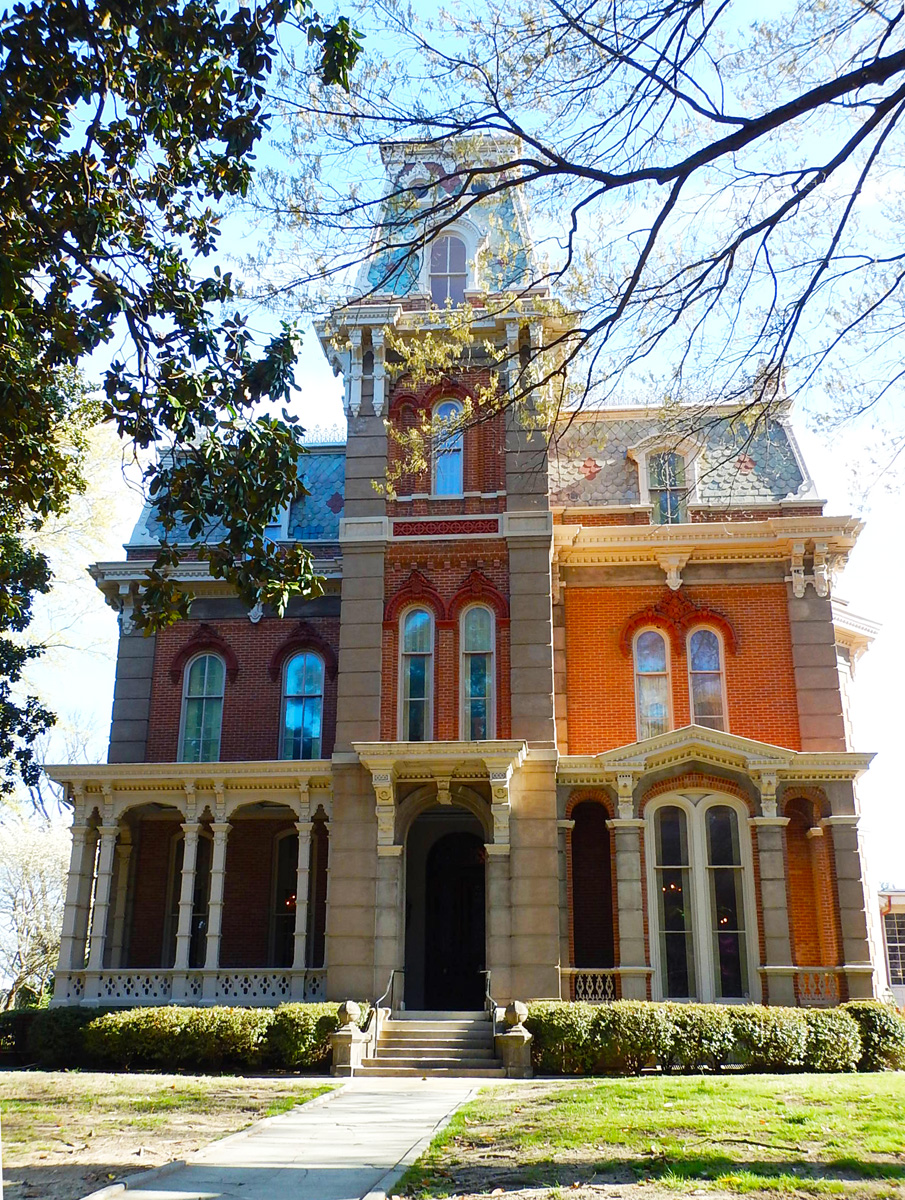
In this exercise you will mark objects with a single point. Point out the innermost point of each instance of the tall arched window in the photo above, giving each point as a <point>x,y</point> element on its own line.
<point>705,679</point>
<point>652,688</point>
<point>202,709</point>
<point>303,706</point>
<point>448,450</point>
<point>477,673</point>
<point>416,676</point>
<point>701,885</point>
<point>447,271</point>
<point>666,487</point>
<point>674,902</point>
<point>727,904</point>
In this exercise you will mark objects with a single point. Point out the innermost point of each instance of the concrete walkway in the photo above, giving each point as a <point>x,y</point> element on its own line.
<point>354,1144</point>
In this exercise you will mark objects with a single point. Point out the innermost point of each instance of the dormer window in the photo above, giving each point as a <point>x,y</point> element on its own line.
<point>666,487</point>
<point>447,271</point>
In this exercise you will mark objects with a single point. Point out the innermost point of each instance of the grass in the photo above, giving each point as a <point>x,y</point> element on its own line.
<point>66,1132</point>
<point>781,1134</point>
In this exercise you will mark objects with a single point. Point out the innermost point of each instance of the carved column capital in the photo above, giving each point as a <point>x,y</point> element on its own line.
<point>625,792</point>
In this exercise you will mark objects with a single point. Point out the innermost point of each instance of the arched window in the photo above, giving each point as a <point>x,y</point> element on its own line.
<point>652,688</point>
<point>705,679</point>
<point>447,271</point>
<point>477,673</point>
<point>202,709</point>
<point>448,449</point>
<point>285,883</point>
<point>666,487</point>
<point>303,706</point>
<point>674,903</point>
<point>416,674</point>
<point>727,904</point>
<point>701,886</point>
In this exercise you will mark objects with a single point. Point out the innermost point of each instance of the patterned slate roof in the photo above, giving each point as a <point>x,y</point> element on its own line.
<point>735,464</point>
<point>313,518</point>
<point>316,517</point>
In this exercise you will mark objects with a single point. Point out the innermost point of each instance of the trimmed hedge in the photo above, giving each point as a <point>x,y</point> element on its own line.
<point>629,1035</point>
<point>291,1037</point>
<point>882,1030</point>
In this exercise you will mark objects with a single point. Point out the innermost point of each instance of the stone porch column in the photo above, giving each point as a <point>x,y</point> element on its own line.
<point>220,830</point>
<point>191,829</point>
<point>108,834</point>
<point>300,936</point>
<point>498,893</point>
<point>768,828</point>
<point>634,964</point>
<point>78,898</point>
<point>121,896</point>
<point>388,917</point>
<point>856,946</point>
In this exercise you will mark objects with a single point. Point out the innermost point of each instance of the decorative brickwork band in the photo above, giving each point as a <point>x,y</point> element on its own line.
<point>458,528</point>
<point>677,613</point>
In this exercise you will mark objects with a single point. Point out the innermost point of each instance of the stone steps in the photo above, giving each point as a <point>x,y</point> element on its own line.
<point>453,1044</point>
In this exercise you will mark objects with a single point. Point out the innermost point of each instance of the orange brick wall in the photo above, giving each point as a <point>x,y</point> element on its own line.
<point>812,891</point>
<point>760,681</point>
<point>446,566</point>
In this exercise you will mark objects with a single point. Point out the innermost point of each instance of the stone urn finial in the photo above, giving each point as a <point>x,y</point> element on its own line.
<point>516,1012</point>
<point>349,1013</point>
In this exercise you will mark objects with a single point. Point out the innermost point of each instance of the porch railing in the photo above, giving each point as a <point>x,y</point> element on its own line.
<point>596,985</point>
<point>252,987</point>
<point>818,987</point>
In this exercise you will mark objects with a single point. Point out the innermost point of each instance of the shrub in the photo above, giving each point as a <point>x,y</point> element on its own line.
<point>14,1031</point>
<point>696,1037</point>
<point>770,1039</point>
<point>179,1038</point>
<point>55,1036</point>
<point>566,1037</point>
<point>299,1035</point>
<point>834,1043</point>
<point>637,1034</point>
<point>882,1031</point>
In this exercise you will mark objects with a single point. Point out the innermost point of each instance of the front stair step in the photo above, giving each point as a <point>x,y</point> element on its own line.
<point>453,1044</point>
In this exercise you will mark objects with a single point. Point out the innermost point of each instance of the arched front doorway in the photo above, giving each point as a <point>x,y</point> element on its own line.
<point>445,911</point>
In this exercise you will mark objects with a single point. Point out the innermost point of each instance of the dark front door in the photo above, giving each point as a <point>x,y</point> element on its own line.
<point>454,929</point>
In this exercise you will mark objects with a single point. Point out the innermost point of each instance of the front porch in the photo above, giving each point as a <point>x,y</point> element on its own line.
<point>248,988</point>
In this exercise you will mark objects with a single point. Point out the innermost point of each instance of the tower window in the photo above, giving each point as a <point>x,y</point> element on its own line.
<point>477,673</point>
<point>447,271</point>
<point>448,450</point>
<point>416,670</point>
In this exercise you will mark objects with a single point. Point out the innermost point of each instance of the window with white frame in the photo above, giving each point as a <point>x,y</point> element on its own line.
<point>666,487</point>
<point>448,453</point>
<point>202,709</point>
<point>416,676</point>
<point>448,270</point>
<point>652,685</point>
<point>700,880</point>
<point>706,679</point>
<point>303,706</point>
<point>894,928</point>
<point>477,673</point>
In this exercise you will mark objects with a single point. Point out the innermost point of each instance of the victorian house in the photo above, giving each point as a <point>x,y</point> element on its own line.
<point>571,710</point>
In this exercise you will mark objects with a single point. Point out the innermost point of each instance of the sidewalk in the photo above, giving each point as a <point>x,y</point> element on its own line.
<point>355,1144</point>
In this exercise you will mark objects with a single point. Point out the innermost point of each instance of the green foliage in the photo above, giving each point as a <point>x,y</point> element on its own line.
<point>882,1031</point>
<point>176,1039</point>
<point>770,1039</point>
<point>299,1035</point>
<point>625,1037</point>
<point>834,1042</point>
<point>55,1036</point>
<point>696,1037</point>
<point>124,130</point>
<point>291,1037</point>
<point>567,1037</point>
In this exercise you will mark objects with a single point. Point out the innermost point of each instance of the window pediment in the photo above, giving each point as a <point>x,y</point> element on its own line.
<point>677,614</point>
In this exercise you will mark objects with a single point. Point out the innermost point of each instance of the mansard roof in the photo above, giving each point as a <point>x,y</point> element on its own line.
<point>736,461</point>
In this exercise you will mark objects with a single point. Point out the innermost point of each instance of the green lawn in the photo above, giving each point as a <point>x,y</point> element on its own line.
<point>810,1134</point>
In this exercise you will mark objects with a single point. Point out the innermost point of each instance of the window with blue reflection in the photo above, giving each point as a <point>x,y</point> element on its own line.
<point>416,669</point>
<point>448,449</point>
<point>477,673</point>
<point>202,709</point>
<point>303,706</point>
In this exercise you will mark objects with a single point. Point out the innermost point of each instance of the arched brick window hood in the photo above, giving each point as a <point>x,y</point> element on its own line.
<point>676,614</point>
<point>303,637</point>
<point>205,637</point>
<point>478,589</point>
<point>415,590</point>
